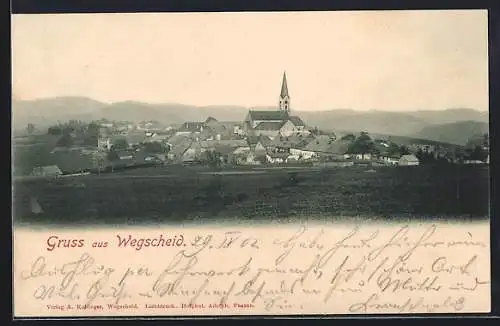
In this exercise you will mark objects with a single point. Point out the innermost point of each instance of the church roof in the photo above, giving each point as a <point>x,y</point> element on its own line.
<point>253,140</point>
<point>268,115</point>
<point>270,125</point>
<point>297,121</point>
<point>284,87</point>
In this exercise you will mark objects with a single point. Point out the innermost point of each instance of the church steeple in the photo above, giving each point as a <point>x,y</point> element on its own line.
<point>284,96</point>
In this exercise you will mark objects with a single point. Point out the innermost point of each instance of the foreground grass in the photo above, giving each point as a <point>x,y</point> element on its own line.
<point>180,195</point>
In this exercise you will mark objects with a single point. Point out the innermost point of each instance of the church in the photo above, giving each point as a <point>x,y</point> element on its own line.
<point>275,122</point>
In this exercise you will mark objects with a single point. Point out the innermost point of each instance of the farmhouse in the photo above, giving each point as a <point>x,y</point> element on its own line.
<point>407,160</point>
<point>47,171</point>
<point>214,129</point>
<point>323,146</point>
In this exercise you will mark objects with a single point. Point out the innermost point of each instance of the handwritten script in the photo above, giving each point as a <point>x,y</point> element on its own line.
<point>300,270</point>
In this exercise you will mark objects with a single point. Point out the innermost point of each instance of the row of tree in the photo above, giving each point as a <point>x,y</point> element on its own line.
<point>121,144</point>
<point>363,144</point>
<point>88,133</point>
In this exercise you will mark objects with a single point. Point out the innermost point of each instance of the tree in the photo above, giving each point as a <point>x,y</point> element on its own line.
<point>30,128</point>
<point>92,134</point>
<point>362,145</point>
<point>315,131</point>
<point>424,157</point>
<point>55,131</point>
<point>113,155</point>
<point>393,150</point>
<point>349,137</point>
<point>404,150</point>
<point>120,144</point>
<point>213,158</point>
<point>478,153</point>
<point>155,147</point>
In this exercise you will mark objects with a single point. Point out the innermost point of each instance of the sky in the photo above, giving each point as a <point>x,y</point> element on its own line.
<point>384,60</point>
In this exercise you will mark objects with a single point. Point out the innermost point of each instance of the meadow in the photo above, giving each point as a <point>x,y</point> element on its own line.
<point>176,195</point>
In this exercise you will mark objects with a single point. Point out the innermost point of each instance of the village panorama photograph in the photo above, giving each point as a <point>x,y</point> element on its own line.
<point>128,119</point>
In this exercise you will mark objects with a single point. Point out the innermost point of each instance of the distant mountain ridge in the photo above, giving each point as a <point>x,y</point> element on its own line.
<point>458,133</point>
<point>44,112</point>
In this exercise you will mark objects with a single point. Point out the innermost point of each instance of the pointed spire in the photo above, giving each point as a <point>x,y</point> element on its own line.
<point>284,87</point>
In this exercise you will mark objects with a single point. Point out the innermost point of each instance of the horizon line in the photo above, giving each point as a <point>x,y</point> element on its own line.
<point>267,106</point>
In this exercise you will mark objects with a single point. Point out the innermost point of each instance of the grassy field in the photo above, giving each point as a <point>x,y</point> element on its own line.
<point>155,195</point>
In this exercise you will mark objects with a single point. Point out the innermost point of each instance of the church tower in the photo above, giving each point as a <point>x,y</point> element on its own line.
<point>284,97</point>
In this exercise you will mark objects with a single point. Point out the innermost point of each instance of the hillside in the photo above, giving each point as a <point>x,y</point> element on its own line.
<point>45,112</point>
<point>390,123</point>
<point>457,133</point>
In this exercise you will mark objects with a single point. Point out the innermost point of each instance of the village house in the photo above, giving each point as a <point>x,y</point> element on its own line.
<point>161,137</point>
<point>178,145</point>
<point>104,144</point>
<point>220,130</point>
<point>277,157</point>
<point>359,156</point>
<point>389,160</point>
<point>408,160</point>
<point>322,146</point>
<point>188,128</point>
<point>473,162</point>
<point>47,171</point>
<point>259,144</point>
<point>132,138</point>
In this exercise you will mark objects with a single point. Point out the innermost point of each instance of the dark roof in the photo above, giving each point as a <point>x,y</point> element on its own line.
<point>269,125</point>
<point>268,115</point>
<point>323,144</point>
<point>224,149</point>
<point>180,147</point>
<point>297,121</point>
<point>232,143</point>
<point>265,141</point>
<point>253,140</point>
<point>178,139</point>
<point>284,86</point>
